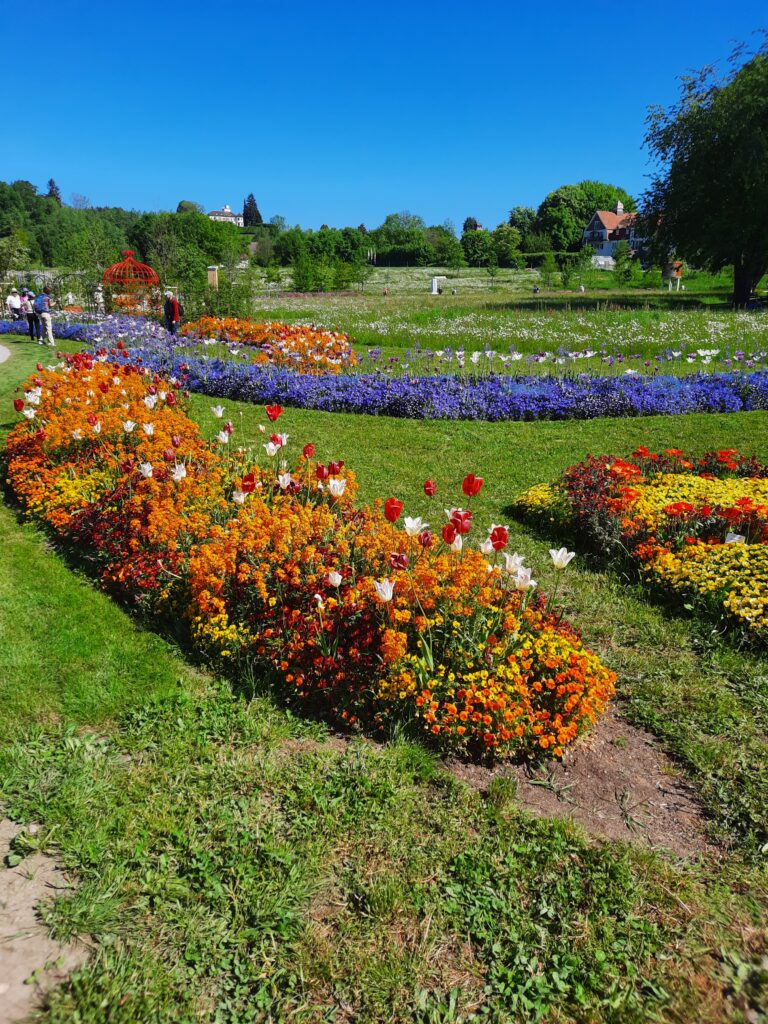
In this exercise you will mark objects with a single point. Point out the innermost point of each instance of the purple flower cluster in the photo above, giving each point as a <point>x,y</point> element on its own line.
<point>495,397</point>
<point>132,331</point>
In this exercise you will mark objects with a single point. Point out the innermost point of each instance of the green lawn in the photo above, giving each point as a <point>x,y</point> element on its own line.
<point>236,863</point>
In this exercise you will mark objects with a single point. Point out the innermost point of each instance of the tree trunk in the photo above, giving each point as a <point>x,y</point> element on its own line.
<point>746,275</point>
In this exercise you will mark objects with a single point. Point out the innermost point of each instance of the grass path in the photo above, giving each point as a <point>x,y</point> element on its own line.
<point>237,863</point>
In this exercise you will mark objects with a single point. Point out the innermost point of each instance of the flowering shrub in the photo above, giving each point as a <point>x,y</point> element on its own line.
<point>697,527</point>
<point>297,346</point>
<point>271,565</point>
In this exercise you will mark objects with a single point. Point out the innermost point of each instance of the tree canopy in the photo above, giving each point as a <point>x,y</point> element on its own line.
<point>708,201</point>
<point>566,212</point>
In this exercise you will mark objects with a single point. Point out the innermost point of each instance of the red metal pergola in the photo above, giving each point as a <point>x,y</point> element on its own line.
<point>132,283</point>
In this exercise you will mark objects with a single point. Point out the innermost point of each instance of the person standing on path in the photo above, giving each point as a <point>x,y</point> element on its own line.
<point>13,304</point>
<point>43,306</point>
<point>172,312</point>
<point>33,320</point>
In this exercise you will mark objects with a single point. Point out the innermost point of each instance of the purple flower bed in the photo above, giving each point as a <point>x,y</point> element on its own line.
<point>490,397</point>
<point>496,397</point>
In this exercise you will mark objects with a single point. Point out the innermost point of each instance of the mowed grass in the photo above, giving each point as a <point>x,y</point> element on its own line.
<point>235,863</point>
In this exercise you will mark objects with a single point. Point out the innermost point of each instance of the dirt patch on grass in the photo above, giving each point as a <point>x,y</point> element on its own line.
<point>616,783</point>
<point>32,963</point>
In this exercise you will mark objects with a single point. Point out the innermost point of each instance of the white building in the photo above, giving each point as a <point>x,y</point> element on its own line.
<point>609,227</point>
<point>227,216</point>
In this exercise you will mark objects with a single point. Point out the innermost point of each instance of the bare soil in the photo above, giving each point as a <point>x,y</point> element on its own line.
<point>616,783</point>
<point>31,962</point>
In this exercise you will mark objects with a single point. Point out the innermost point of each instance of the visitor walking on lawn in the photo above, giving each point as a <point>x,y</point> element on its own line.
<point>172,312</point>
<point>43,305</point>
<point>13,304</point>
<point>33,320</point>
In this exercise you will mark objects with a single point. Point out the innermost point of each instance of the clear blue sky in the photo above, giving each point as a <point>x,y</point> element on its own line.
<point>344,112</point>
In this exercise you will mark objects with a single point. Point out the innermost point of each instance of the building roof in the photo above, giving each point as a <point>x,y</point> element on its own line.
<point>224,213</point>
<point>612,220</point>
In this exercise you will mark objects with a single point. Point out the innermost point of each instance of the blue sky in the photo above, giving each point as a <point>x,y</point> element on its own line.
<point>344,112</point>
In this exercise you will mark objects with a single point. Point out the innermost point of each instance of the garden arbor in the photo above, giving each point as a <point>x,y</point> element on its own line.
<point>133,285</point>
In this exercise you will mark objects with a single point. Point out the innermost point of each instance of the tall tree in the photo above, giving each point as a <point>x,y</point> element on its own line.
<point>251,215</point>
<point>470,224</point>
<point>708,201</point>
<point>54,191</point>
<point>566,212</point>
<point>188,206</point>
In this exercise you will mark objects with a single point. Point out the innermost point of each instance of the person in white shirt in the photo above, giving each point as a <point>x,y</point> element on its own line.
<point>13,304</point>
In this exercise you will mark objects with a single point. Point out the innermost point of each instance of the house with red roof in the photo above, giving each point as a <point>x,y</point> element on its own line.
<point>609,227</point>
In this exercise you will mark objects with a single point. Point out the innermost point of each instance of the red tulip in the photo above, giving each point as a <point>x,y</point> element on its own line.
<point>322,472</point>
<point>152,389</point>
<point>334,468</point>
<point>471,485</point>
<point>276,439</point>
<point>426,539</point>
<point>18,404</point>
<point>39,367</point>
<point>273,411</point>
<point>449,533</point>
<point>169,455</point>
<point>229,426</point>
<point>429,488</point>
<point>103,388</point>
<point>308,451</point>
<point>249,483</point>
<point>170,398</point>
<point>462,520</point>
<point>92,418</point>
<point>498,537</point>
<point>176,441</point>
<point>398,560</point>
<point>392,509</point>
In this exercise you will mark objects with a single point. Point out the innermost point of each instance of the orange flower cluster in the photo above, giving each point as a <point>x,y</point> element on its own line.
<point>274,568</point>
<point>299,347</point>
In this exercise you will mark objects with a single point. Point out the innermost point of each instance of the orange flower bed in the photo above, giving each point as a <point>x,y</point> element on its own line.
<point>297,346</point>
<point>273,567</point>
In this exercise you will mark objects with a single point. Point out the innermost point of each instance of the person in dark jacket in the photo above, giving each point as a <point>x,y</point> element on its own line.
<point>172,312</point>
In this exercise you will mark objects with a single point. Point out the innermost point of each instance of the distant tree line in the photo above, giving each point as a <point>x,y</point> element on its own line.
<point>38,228</point>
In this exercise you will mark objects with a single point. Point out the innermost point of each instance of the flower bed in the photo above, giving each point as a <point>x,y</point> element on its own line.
<point>299,347</point>
<point>272,567</point>
<point>697,528</point>
<point>455,397</point>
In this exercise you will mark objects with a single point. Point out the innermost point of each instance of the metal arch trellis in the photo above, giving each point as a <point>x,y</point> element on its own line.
<point>132,282</point>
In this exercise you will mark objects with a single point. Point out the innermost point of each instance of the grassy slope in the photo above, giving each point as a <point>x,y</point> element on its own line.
<point>230,861</point>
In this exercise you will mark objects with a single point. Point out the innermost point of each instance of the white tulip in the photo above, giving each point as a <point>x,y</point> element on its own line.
<point>148,428</point>
<point>271,449</point>
<point>513,562</point>
<point>414,526</point>
<point>145,469</point>
<point>486,547</point>
<point>336,487</point>
<point>77,435</point>
<point>384,589</point>
<point>223,437</point>
<point>335,578</point>
<point>561,558</point>
<point>458,543</point>
<point>96,428</point>
<point>150,401</point>
<point>284,479</point>
<point>29,413</point>
<point>128,426</point>
<point>523,579</point>
<point>238,497</point>
<point>179,472</point>
<point>218,411</point>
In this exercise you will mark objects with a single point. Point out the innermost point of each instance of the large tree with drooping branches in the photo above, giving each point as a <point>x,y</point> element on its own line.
<point>708,200</point>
